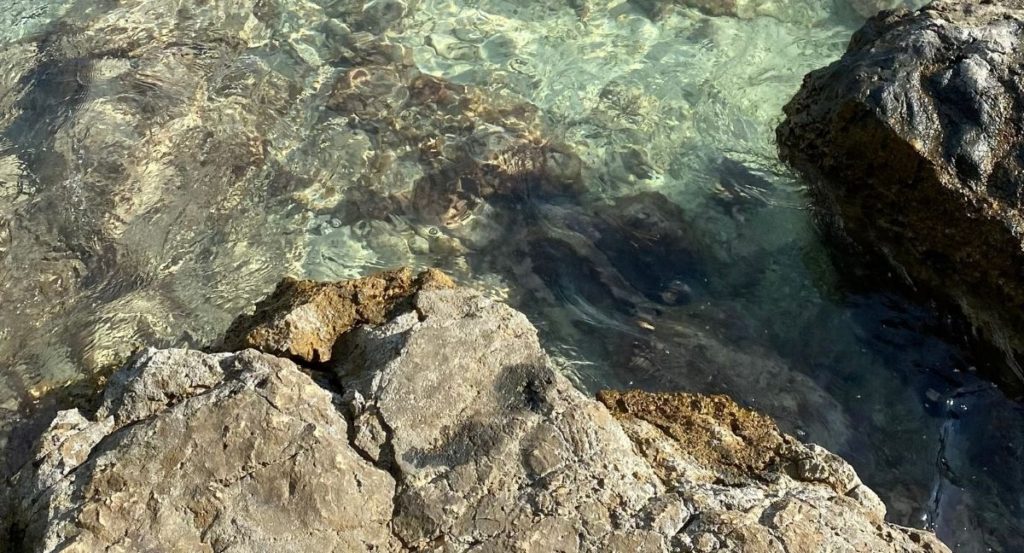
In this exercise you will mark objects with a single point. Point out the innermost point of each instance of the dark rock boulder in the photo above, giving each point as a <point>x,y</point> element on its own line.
<point>913,146</point>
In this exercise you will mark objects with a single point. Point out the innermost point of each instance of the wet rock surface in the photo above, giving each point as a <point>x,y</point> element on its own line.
<point>912,143</point>
<point>444,428</point>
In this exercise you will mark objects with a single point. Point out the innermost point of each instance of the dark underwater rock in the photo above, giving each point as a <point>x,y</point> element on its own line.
<point>913,144</point>
<point>868,8</point>
<point>656,9</point>
<point>627,257</point>
<point>159,172</point>
<point>744,9</point>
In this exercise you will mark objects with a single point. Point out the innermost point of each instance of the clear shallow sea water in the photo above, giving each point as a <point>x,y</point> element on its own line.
<point>163,163</point>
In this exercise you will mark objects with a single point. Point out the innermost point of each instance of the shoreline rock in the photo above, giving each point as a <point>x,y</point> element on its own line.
<point>442,428</point>
<point>302,319</point>
<point>912,146</point>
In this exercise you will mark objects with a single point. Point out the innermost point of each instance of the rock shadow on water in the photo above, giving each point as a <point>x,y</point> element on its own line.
<point>630,256</point>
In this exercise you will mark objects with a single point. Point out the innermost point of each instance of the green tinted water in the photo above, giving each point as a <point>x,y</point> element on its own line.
<point>163,164</point>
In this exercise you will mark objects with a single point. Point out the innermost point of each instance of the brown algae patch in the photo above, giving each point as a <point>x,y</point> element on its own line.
<point>717,432</point>
<point>302,319</point>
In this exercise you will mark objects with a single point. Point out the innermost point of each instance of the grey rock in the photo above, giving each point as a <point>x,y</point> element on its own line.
<point>913,146</point>
<point>451,431</point>
<point>257,461</point>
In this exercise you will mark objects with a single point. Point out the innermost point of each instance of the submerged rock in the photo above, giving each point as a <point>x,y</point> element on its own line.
<point>869,8</point>
<point>656,9</point>
<point>630,256</point>
<point>677,354</point>
<point>149,151</point>
<point>448,430</point>
<point>742,9</point>
<point>465,145</point>
<point>913,144</point>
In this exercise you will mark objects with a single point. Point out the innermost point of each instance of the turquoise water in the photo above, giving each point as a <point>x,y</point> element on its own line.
<point>163,164</point>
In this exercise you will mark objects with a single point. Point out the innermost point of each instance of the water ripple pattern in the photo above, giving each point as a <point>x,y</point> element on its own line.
<point>607,166</point>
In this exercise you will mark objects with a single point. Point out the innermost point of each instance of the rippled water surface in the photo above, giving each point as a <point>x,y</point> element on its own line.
<point>163,163</point>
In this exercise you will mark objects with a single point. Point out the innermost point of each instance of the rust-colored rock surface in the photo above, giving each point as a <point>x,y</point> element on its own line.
<point>302,319</point>
<point>752,444</point>
<point>755,488</point>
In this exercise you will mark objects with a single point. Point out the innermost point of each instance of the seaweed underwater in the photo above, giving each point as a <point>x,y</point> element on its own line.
<point>608,167</point>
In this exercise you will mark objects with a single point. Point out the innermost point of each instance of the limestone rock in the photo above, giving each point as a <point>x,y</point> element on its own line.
<point>447,429</point>
<point>490,445</point>
<point>254,458</point>
<point>302,319</point>
<point>752,487</point>
<point>913,146</point>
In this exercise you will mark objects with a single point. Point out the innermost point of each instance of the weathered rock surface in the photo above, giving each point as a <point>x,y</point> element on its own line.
<point>913,141</point>
<point>447,430</point>
<point>197,452</point>
<point>303,319</point>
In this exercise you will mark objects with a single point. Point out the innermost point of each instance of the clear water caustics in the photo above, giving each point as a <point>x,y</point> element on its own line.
<point>163,163</point>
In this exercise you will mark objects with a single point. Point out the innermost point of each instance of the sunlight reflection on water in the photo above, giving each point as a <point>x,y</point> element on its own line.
<point>161,169</point>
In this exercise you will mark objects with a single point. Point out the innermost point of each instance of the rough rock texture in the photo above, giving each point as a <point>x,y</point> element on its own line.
<point>198,452</point>
<point>913,141</point>
<point>303,319</point>
<point>448,430</point>
<point>752,446</point>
